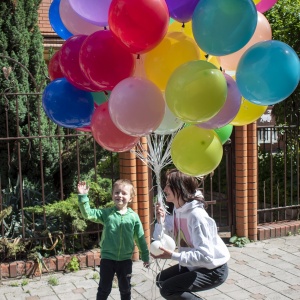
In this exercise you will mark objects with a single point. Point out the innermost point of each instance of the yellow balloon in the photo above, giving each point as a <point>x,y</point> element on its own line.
<point>248,113</point>
<point>196,91</point>
<point>214,60</point>
<point>256,1</point>
<point>174,50</point>
<point>196,151</point>
<point>186,28</point>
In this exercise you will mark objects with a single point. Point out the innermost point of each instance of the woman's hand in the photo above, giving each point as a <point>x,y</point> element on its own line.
<point>160,213</point>
<point>167,254</point>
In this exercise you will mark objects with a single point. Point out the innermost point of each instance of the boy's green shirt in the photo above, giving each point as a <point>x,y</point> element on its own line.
<point>120,232</point>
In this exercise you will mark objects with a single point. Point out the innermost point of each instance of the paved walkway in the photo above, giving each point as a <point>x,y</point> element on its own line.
<point>266,270</point>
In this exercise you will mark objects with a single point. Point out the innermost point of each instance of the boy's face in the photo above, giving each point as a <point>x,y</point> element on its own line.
<point>122,195</point>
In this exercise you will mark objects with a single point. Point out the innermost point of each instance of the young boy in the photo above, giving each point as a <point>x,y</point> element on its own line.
<point>121,228</point>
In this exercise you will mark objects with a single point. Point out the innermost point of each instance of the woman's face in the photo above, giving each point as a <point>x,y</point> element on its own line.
<point>170,197</point>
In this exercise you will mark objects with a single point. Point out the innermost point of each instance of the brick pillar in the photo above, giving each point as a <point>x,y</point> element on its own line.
<point>252,180</point>
<point>127,163</point>
<point>143,192</point>
<point>241,181</point>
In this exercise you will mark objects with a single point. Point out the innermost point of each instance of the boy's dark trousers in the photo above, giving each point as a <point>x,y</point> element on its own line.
<point>123,270</point>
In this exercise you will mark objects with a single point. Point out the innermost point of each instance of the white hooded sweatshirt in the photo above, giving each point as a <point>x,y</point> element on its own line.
<point>198,242</point>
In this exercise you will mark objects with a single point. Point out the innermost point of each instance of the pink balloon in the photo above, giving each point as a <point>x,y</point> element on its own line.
<point>69,63</point>
<point>136,106</point>
<point>104,60</point>
<point>84,129</point>
<point>230,108</point>
<point>107,135</point>
<point>93,11</point>
<point>73,22</point>
<point>263,32</point>
<point>265,5</point>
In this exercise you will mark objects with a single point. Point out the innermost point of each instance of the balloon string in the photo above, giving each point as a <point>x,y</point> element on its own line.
<point>157,156</point>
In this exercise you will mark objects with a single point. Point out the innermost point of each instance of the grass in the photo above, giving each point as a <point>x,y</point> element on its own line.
<point>53,281</point>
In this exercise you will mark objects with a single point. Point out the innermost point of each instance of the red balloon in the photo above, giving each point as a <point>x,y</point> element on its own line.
<point>139,24</point>
<point>107,135</point>
<point>54,69</point>
<point>69,64</point>
<point>105,60</point>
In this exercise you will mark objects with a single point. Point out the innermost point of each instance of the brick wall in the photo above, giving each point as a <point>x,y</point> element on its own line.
<point>44,22</point>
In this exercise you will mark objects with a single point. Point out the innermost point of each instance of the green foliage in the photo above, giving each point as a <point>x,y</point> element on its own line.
<point>12,247</point>
<point>239,241</point>
<point>24,282</point>
<point>282,178</point>
<point>73,264</point>
<point>53,281</point>
<point>24,70</point>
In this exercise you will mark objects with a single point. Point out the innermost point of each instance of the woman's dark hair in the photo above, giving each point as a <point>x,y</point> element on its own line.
<point>184,186</point>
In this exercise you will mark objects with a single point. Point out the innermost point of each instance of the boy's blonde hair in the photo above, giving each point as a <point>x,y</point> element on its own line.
<point>125,182</point>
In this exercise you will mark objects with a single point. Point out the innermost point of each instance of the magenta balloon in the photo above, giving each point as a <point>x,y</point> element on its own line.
<point>265,5</point>
<point>230,108</point>
<point>69,64</point>
<point>104,60</point>
<point>107,135</point>
<point>73,22</point>
<point>93,11</point>
<point>136,106</point>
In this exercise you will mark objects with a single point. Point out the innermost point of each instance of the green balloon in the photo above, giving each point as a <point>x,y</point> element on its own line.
<point>196,151</point>
<point>100,97</point>
<point>224,133</point>
<point>196,91</point>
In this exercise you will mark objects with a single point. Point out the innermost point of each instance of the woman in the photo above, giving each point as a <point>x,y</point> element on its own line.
<point>202,255</point>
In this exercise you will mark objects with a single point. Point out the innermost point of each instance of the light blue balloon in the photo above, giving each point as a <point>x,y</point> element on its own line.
<point>221,27</point>
<point>56,22</point>
<point>268,72</point>
<point>67,105</point>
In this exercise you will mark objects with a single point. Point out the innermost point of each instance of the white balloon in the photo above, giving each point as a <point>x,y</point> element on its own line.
<point>167,242</point>
<point>154,248</point>
<point>164,241</point>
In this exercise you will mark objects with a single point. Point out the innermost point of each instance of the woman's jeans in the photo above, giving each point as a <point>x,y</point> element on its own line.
<point>108,269</point>
<point>175,283</point>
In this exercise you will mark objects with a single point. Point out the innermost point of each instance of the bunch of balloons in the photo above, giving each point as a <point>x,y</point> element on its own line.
<point>130,68</point>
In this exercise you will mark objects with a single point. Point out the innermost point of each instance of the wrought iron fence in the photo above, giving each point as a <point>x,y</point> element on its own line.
<point>278,173</point>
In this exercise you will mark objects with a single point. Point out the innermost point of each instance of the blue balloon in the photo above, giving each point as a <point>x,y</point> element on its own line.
<point>268,72</point>
<point>56,22</point>
<point>223,27</point>
<point>66,105</point>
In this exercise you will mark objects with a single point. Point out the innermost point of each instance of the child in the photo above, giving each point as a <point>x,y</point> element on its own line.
<point>121,228</point>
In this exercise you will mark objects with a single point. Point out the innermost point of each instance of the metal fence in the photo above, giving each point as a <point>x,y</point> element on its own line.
<point>278,173</point>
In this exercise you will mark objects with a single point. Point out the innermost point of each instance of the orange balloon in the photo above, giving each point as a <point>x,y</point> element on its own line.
<point>263,32</point>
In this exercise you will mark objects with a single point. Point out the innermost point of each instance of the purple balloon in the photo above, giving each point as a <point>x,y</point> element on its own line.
<point>181,10</point>
<point>265,5</point>
<point>230,108</point>
<point>92,11</point>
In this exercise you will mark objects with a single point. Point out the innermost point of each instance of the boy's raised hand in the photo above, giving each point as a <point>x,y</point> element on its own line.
<point>82,188</point>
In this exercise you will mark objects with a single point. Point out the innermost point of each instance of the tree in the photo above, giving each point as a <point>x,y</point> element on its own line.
<point>21,114</point>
